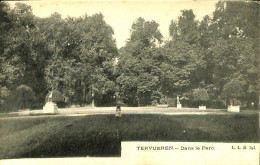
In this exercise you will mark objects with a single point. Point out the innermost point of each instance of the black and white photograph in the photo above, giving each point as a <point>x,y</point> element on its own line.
<point>80,78</point>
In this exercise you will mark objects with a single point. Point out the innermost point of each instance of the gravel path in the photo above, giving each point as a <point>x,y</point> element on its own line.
<point>85,111</point>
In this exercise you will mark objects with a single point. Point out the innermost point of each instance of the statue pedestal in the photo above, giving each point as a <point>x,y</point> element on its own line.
<point>179,106</point>
<point>202,108</point>
<point>233,108</point>
<point>50,107</point>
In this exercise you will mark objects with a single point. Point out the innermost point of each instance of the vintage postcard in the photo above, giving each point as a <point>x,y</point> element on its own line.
<point>129,82</point>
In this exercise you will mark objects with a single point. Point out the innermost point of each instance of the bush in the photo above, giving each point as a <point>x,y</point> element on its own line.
<point>172,102</point>
<point>232,91</point>
<point>200,96</point>
<point>4,92</point>
<point>22,98</point>
<point>163,100</point>
<point>217,103</point>
<point>154,103</point>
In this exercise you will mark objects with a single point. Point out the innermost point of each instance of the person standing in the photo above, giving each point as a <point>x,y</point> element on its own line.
<point>118,111</point>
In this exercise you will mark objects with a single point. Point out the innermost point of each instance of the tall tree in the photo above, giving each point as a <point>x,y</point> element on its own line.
<point>184,68</point>
<point>234,48</point>
<point>138,70</point>
<point>17,53</point>
<point>82,62</point>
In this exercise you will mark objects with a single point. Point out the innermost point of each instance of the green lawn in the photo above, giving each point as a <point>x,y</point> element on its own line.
<point>101,135</point>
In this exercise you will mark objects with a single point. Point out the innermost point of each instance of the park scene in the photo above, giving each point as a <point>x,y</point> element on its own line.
<point>70,88</point>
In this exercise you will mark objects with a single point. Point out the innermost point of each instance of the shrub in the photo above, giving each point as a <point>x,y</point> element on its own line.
<point>200,96</point>
<point>4,92</point>
<point>154,103</point>
<point>232,91</point>
<point>22,98</point>
<point>163,100</point>
<point>217,103</point>
<point>171,102</point>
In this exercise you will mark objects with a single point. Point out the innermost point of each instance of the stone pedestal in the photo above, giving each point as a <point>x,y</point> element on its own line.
<point>162,106</point>
<point>118,113</point>
<point>202,108</point>
<point>179,106</point>
<point>50,107</point>
<point>24,112</point>
<point>233,108</point>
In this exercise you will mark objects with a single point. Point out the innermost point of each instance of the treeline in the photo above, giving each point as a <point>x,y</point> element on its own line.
<point>214,61</point>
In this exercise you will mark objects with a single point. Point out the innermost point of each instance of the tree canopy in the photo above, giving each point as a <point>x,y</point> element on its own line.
<point>213,60</point>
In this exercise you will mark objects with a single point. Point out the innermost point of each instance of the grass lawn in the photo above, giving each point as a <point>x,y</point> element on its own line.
<point>101,135</point>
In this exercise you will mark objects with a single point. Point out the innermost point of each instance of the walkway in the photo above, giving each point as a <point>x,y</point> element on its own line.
<point>85,111</point>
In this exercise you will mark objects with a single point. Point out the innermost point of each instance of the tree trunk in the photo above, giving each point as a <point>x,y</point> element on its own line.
<point>84,94</point>
<point>92,94</point>
<point>248,104</point>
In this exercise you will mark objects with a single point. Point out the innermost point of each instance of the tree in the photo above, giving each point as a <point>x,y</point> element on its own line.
<point>186,28</point>
<point>184,67</point>
<point>76,56</point>
<point>137,69</point>
<point>81,66</point>
<point>4,24</point>
<point>20,58</point>
<point>236,27</point>
<point>4,28</point>
<point>14,24</point>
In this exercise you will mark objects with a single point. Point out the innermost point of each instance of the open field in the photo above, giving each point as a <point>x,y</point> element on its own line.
<point>101,135</point>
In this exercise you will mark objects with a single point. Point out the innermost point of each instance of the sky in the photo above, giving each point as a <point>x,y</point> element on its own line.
<point>120,15</point>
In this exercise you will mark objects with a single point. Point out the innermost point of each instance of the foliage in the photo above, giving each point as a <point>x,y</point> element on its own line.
<point>171,102</point>
<point>163,100</point>
<point>76,56</point>
<point>23,98</point>
<point>231,43</point>
<point>137,69</point>
<point>232,90</point>
<point>58,98</point>
<point>82,60</point>
<point>200,95</point>
<point>4,92</point>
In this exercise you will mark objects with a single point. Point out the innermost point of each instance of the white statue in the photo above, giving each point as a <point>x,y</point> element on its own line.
<point>50,107</point>
<point>50,97</point>
<point>178,100</point>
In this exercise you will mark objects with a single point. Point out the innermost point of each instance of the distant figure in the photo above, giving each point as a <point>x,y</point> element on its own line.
<point>178,100</point>
<point>118,111</point>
